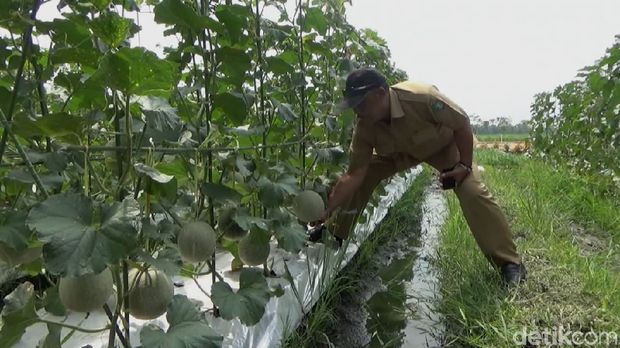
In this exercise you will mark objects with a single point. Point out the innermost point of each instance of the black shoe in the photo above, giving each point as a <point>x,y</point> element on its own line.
<point>315,234</point>
<point>513,273</point>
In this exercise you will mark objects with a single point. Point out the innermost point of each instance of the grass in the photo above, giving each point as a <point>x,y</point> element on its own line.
<point>316,328</point>
<point>510,137</point>
<point>567,229</point>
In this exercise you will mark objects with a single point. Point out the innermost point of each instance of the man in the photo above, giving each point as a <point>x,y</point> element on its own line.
<point>401,126</point>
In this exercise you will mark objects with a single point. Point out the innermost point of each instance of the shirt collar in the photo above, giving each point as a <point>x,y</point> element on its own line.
<point>396,110</point>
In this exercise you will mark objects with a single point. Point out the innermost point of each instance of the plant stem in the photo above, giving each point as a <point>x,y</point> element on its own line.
<point>26,47</point>
<point>22,153</point>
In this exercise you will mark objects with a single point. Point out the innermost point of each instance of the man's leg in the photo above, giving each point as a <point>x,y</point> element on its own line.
<point>486,220</point>
<point>379,169</point>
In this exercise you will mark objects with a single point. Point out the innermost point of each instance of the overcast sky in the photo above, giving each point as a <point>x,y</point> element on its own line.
<point>492,56</point>
<point>489,56</point>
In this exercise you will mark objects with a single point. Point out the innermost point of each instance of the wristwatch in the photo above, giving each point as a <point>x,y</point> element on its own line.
<point>466,166</point>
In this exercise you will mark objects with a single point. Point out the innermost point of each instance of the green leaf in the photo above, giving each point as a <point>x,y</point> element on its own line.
<point>18,313</point>
<point>246,221</point>
<point>137,71</point>
<point>187,329</point>
<point>168,260</point>
<point>81,237</point>
<point>52,303</point>
<point>152,173</point>
<point>112,28</point>
<point>176,12</point>
<point>291,237</point>
<point>59,125</point>
<point>233,105</point>
<point>221,193</point>
<point>272,194</point>
<point>278,65</point>
<point>163,123</point>
<point>286,111</point>
<point>50,181</point>
<point>13,230</point>
<point>235,63</point>
<point>315,18</point>
<point>248,303</point>
<point>234,18</point>
<point>52,339</point>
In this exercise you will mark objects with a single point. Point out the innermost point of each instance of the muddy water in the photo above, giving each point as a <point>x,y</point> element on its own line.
<point>392,306</point>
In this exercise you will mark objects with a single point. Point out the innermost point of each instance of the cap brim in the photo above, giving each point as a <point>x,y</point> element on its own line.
<point>350,102</point>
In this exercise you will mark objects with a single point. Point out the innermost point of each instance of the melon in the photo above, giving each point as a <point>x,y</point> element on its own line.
<point>14,257</point>
<point>149,294</point>
<point>87,292</point>
<point>196,241</point>
<point>253,251</point>
<point>229,227</point>
<point>308,206</point>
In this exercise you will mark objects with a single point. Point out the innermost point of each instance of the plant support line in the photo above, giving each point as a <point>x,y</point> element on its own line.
<point>22,153</point>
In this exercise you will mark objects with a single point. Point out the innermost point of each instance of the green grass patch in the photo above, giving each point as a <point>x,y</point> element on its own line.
<point>503,137</point>
<point>315,329</point>
<point>567,229</point>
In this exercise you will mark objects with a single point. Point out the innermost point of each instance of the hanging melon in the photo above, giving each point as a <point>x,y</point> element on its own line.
<point>196,241</point>
<point>254,249</point>
<point>86,293</point>
<point>308,206</point>
<point>149,294</point>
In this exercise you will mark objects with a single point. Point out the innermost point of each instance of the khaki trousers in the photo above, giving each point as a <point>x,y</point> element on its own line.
<point>485,218</point>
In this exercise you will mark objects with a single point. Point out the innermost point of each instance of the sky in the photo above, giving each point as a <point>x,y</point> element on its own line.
<point>490,56</point>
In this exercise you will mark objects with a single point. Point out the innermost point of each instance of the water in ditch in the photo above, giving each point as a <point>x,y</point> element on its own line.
<point>392,306</point>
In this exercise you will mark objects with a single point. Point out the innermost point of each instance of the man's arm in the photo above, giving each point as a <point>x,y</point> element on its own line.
<point>345,187</point>
<point>464,139</point>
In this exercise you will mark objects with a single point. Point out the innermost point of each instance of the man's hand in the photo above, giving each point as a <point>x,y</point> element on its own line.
<point>459,173</point>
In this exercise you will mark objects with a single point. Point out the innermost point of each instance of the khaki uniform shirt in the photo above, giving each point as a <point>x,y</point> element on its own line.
<point>421,129</point>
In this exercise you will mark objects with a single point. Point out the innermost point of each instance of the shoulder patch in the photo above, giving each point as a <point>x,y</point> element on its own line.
<point>438,105</point>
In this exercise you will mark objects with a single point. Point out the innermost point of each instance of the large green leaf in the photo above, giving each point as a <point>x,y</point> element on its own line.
<point>18,313</point>
<point>187,328</point>
<point>137,71</point>
<point>235,63</point>
<point>13,230</point>
<point>248,303</point>
<point>221,193</point>
<point>234,18</point>
<point>83,237</point>
<point>291,237</point>
<point>272,194</point>
<point>162,122</point>
<point>59,125</point>
<point>112,28</point>
<point>315,18</point>
<point>233,105</point>
<point>176,12</point>
<point>21,175</point>
<point>278,65</point>
<point>152,173</point>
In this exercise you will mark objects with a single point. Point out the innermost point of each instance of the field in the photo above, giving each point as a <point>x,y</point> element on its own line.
<point>508,137</point>
<point>133,174</point>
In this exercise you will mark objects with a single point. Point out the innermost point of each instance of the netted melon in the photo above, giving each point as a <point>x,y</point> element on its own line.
<point>86,293</point>
<point>149,294</point>
<point>14,257</point>
<point>229,227</point>
<point>308,206</point>
<point>196,241</point>
<point>253,249</point>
